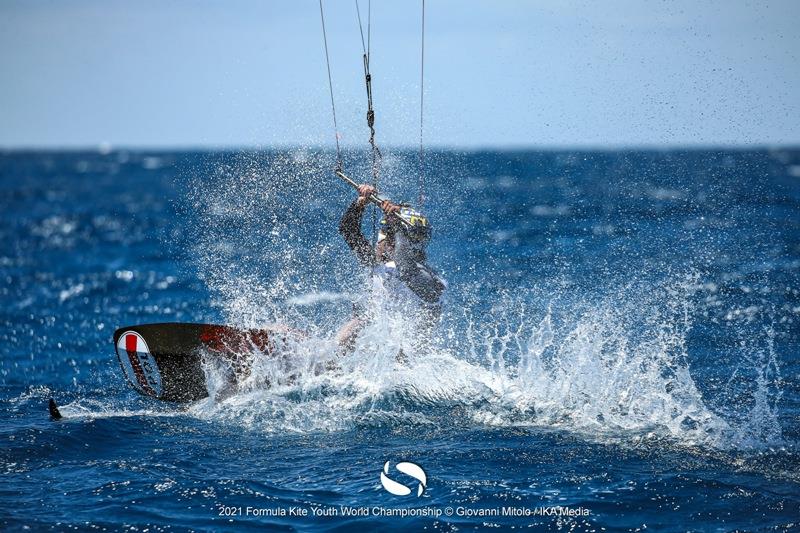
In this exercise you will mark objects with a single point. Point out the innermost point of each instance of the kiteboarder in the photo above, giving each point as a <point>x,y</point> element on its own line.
<point>398,263</point>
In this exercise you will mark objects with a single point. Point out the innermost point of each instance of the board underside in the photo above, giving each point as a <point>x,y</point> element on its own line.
<point>164,361</point>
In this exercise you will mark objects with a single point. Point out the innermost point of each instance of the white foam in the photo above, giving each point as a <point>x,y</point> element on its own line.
<point>313,298</point>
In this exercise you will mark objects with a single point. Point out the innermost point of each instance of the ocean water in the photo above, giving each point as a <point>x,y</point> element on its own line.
<point>619,350</point>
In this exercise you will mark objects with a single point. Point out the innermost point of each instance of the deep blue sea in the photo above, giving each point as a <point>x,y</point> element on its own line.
<point>619,349</point>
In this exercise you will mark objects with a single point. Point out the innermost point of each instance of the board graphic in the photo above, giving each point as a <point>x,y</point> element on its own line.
<point>139,365</point>
<point>164,361</point>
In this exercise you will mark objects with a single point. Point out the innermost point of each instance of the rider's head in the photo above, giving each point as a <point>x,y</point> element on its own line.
<point>407,230</point>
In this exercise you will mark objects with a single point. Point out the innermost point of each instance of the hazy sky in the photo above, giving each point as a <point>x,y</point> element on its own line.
<point>498,73</point>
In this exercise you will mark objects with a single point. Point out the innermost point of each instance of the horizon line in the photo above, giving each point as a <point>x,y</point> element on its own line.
<point>106,147</point>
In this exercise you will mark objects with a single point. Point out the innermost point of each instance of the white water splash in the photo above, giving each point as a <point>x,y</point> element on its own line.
<point>608,369</point>
<point>593,377</point>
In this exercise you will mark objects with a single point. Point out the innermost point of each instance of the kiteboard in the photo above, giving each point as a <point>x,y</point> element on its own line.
<point>164,361</point>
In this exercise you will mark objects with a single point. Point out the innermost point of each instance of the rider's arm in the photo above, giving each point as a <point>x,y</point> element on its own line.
<point>350,228</point>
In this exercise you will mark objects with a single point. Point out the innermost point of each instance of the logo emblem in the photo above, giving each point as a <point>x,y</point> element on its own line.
<point>410,469</point>
<point>139,364</point>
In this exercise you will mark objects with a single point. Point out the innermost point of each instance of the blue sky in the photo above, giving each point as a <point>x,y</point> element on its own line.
<point>554,73</point>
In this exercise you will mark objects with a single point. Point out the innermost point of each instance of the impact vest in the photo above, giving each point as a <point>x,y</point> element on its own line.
<point>387,277</point>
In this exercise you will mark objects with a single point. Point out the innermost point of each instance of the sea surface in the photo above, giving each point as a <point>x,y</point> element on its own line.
<point>619,348</point>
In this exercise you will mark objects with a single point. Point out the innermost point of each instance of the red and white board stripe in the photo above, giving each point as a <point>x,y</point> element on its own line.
<point>139,364</point>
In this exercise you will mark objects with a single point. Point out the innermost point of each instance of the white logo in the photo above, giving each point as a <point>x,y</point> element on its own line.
<point>399,489</point>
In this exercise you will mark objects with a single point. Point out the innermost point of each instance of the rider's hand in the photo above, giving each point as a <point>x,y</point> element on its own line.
<point>364,192</point>
<point>389,208</point>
